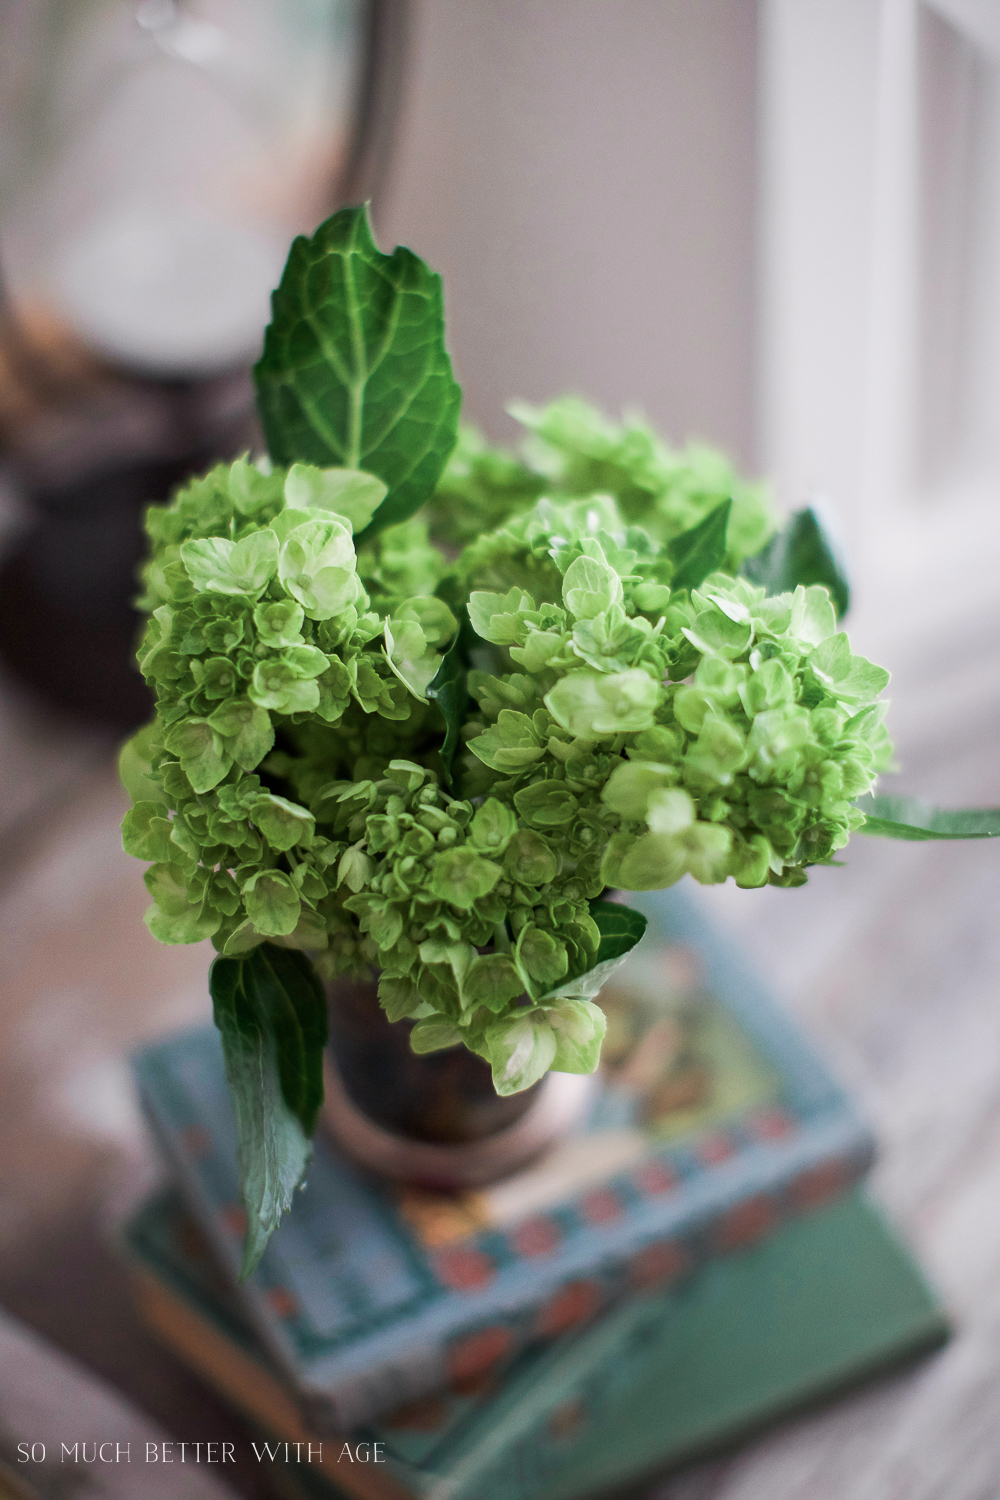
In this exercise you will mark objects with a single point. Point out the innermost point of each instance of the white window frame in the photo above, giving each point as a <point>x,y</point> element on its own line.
<point>841,300</point>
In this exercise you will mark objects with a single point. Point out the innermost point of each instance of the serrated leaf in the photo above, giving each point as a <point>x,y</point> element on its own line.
<point>698,552</point>
<point>354,372</point>
<point>620,928</point>
<point>448,688</point>
<point>909,818</point>
<point>270,1009</point>
<point>801,553</point>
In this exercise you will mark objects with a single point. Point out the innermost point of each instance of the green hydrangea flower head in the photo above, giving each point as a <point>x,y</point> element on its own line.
<point>619,733</point>
<point>421,704</point>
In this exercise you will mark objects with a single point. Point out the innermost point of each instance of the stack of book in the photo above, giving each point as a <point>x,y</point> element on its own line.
<point>694,1262</point>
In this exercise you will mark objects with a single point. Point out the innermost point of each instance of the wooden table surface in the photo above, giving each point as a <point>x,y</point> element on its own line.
<point>892,965</point>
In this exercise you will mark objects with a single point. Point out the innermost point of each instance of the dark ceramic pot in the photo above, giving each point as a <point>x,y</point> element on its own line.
<point>432,1119</point>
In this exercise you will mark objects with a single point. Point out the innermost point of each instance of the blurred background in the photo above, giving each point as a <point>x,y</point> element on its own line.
<point>770,224</point>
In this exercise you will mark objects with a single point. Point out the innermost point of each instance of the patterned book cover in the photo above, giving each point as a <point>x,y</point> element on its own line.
<point>829,1300</point>
<point>714,1120</point>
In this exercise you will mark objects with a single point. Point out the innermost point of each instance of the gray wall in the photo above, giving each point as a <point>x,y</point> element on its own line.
<point>582,172</point>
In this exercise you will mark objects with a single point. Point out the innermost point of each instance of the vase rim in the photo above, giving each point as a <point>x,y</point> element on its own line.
<point>560,1102</point>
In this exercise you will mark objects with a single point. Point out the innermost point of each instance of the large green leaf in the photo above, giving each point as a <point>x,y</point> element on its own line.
<point>270,1008</point>
<point>801,552</point>
<point>449,690</point>
<point>620,928</point>
<point>698,552</point>
<point>354,372</point>
<point>909,818</point>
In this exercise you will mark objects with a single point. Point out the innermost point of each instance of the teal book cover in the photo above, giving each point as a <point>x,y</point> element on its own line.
<point>830,1300</point>
<point>714,1121</point>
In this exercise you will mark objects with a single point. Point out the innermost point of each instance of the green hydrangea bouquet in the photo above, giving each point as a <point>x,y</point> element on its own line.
<point>420,704</point>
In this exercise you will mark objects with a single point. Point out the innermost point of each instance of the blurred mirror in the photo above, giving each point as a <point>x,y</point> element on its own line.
<point>156,159</point>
